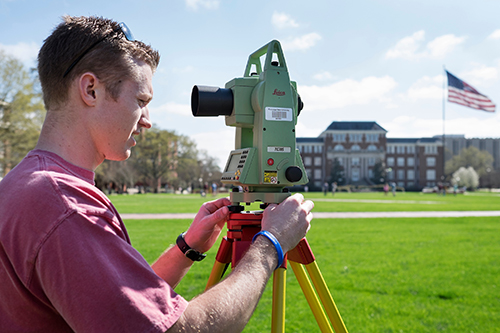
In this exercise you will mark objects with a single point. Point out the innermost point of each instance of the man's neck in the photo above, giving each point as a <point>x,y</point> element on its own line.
<point>70,141</point>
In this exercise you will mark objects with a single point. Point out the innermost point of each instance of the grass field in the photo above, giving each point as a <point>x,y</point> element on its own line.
<point>385,275</point>
<point>341,202</point>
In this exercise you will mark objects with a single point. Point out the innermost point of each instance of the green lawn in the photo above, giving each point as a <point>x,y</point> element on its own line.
<point>341,202</point>
<point>385,275</point>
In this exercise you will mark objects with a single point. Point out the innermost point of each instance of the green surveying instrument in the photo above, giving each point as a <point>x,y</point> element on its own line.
<point>264,105</point>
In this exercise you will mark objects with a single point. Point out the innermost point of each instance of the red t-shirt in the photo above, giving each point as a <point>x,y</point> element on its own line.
<point>66,263</point>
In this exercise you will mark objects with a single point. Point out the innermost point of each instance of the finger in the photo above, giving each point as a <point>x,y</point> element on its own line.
<point>218,217</point>
<point>213,206</point>
<point>308,205</point>
<point>299,197</point>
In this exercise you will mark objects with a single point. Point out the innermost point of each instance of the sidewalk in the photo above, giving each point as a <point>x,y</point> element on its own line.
<point>340,215</point>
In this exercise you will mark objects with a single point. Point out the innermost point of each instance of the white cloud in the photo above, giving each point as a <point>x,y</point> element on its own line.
<point>347,92</point>
<point>301,43</point>
<point>25,52</point>
<point>208,4</point>
<point>406,47</point>
<point>218,144</point>
<point>172,108</point>
<point>410,47</point>
<point>282,21</point>
<point>323,76</point>
<point>495,34</point>
<point>441,46</point>
<point>480,75</point>
<point>427,88</point>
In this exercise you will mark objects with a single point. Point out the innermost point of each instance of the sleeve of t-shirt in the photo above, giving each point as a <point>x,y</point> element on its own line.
<point>99,283</point>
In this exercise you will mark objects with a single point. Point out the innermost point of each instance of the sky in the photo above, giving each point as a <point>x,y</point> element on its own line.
<point>360,60</point>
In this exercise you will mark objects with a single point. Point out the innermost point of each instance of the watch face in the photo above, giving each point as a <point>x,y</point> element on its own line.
<point>195,255</point>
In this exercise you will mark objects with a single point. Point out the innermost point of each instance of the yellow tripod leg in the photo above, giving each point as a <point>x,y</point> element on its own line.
<point>279,292</point>
<point>326,298</point>
<point>215,274</point>
<point>311,297</point>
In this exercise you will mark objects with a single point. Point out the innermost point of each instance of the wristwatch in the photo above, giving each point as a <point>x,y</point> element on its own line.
<point>188,251</point>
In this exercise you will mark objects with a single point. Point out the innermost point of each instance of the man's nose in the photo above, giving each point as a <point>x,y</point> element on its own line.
<point>145,121</point>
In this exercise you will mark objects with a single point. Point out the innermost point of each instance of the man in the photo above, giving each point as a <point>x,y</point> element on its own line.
<point>66,263</point>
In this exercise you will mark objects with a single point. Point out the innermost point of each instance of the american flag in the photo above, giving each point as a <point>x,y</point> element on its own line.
<point>463,93</point>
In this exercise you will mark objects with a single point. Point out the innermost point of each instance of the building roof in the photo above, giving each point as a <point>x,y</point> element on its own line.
<point>413,140</point>
<point>310,140</point>
<point>355,126</point>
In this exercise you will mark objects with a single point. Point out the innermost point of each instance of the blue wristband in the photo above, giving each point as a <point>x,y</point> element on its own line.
<point>270,236</point>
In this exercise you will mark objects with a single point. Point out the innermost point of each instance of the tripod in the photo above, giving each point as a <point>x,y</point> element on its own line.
<point>241,229</point>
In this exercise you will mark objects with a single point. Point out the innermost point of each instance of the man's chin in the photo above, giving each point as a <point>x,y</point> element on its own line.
<point>119,157</point>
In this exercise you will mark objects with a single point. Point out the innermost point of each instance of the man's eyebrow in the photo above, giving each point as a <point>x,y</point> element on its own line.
<point>147,97</point>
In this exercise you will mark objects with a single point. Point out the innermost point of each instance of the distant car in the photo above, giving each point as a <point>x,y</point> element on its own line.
<point>430,189</point>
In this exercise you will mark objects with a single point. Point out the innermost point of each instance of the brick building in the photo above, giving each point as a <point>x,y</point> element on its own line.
<point>358,146</point>
<point>455,143</point>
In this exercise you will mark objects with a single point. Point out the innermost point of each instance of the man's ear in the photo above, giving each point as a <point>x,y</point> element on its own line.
<point>88,85</point>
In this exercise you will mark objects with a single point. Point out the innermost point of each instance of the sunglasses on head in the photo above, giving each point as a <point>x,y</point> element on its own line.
<point>122,27</point>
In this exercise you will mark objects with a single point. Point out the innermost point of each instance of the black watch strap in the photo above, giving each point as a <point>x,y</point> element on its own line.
<point>188,251</point>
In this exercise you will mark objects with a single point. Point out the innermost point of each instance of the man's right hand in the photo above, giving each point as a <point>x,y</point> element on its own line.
<point>289,221</point>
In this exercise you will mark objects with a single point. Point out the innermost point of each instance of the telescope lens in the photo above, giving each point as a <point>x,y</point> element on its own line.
<point>211,101</point>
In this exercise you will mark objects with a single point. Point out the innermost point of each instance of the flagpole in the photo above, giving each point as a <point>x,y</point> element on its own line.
<point>444,104</point>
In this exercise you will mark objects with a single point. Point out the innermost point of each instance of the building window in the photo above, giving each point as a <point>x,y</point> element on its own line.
<point>317,161</point>
<point>410,175</point>
<point>390,149</point>
<point>355,161</point>
<point>318,149</point>
<point>410,161</point>
<point>431,174</point>
<point>307,161</point>
<point>372,148</point>
<point>431,161</point>
<point>338,147</point>
<point>371,137</point>
<point>371,161</point>
<point>339,137</point>
<point>370,173</point>
<point>355,137</point>
<point>355,175</point>
<point>401,161</point>
<point>355,148</point>
<point>401,174</point>
<point>309,173</point>
<point>400,149</point>
<point>410,149</point>
<point>390,161</point>
<point>430,150</point>
<point>317,174</point>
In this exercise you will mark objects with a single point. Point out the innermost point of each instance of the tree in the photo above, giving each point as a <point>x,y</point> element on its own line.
<point>155,157</point>
<point>160,157</point>
<point>337,173</point>
<point>466,177</point>
<point>209,170</point>
<point>470,157</point>
<point>117,175</point>
<point>21,111</point>
<point>379,173</point>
